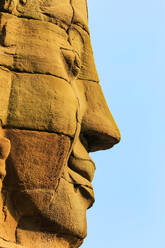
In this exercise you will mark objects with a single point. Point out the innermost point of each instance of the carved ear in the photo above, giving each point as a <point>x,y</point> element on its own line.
<point>4,147</point>
<point>4,152</point>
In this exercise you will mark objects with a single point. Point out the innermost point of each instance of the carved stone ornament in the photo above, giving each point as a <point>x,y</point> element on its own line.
<point>52,114</point>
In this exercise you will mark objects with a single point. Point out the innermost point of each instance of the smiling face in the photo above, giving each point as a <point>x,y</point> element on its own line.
<point>54,114</point>
<point>38,159</point>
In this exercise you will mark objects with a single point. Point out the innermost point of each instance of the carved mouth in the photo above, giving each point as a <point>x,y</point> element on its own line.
<point>81,172</point>
<point>83,185</point>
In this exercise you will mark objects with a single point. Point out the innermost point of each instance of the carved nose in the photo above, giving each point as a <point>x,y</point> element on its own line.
<point>98,126</point>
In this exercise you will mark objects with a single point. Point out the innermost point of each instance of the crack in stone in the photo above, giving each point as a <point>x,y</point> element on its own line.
<point>73,11</point>
<point>37,130</point>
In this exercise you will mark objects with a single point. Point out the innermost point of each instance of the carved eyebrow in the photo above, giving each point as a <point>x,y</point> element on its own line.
<point>54,20</point>
<point>72,50</point>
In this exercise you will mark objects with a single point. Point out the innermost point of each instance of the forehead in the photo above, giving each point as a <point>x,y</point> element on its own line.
<point>37,17</point>
<point>37,55</point>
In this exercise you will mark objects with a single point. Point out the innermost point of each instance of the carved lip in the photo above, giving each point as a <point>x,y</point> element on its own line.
<point>81,172</point>
<point>83,184</point>
<point>84,167</point>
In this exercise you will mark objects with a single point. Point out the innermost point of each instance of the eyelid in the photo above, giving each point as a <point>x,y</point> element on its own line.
<point>73,60</point>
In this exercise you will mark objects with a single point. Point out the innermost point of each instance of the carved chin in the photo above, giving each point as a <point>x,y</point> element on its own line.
<point>60,212</point>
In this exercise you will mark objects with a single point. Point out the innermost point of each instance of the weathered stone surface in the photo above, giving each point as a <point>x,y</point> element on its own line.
<point>66,215</point>
<point>36,159</point>
<point>52,114</point>
<point>41,53</point>
<point>35,103</point>
<point>45,10</point>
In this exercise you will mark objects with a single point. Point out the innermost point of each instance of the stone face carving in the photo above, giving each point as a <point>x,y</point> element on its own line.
<point>53,113</point>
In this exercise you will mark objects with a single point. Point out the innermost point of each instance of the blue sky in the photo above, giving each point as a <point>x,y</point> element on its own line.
<point>128,39</point>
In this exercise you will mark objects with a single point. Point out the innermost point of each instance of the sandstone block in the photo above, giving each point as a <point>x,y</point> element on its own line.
<point>36,159</point>
<point>37,102</point>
